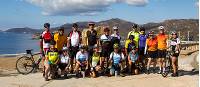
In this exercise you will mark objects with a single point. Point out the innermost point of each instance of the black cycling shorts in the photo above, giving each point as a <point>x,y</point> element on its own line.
<point>73,51</point>
<point>152,54</point>
<point>105,53</point>
<point>162,53</point>
<point>141,51</point>
<point>62,66</point>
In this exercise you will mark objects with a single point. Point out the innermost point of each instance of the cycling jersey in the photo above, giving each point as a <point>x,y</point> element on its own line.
<point>173,43</point>
<point>142,40</point>
<point>64,59</point>
<point>133,56</point>
<point>92,37</point>
<point>136,37</point>
<point>82,56</point>
<point>95,59</point>
<point>162,41</point>
<point>129,44</point>
<point>53,56</point>
<point>152,44</point>
<point>116,57</point>
<point>60,41</point>
<point>105,42</point>
<point>74,38</point>
<point>46,37</point>
<point>115,38</point>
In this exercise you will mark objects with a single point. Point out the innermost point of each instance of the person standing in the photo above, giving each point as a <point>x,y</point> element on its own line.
<point>60,39</point>
<point>162,47</point>
<point>105,42</point>
<point>115,37</point>
<point>74,41</point>
<point>142,44</point>
<point>175,51</point>
<point>135,33</point>
<point>151,50</point>
<point>45,39</point>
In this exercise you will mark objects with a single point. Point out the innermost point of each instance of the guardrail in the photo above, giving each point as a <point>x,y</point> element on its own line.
<point>190,45</point>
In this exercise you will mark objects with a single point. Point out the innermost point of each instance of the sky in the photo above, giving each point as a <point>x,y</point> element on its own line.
<point>34,13</point>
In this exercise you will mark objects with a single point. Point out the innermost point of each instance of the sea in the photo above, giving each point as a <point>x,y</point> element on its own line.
<point>12,43</point>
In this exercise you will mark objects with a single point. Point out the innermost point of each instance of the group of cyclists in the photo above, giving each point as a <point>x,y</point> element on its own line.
<point>105,54</point>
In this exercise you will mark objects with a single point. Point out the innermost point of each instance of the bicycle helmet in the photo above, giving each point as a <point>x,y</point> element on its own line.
<point>161,27</point>
<point>142,29</point>
<point>82,47</point>
<point>134,26</point>
<point>64,49</point>
<point>151,33</point>
<point>173,33</point>
<point>116,46</point>
<point>131,37</point>
<point>115,28</point>
<point>46,25</point>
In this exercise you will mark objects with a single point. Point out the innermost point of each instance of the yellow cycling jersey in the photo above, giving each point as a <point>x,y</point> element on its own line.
<point>95,58</point>
<point>53,56</point>
<point>136,37</point>
<point>60,41</point>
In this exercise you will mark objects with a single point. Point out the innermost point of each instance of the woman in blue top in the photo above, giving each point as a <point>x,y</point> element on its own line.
<point>132,59</point>
<point>142,44</point>
<point>115,58</point>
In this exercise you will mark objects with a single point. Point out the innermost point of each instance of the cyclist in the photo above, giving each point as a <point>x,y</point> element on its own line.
<point>115,59</point>
<point>162,47</point>
<point>132,60</point>
<point>81,60</point>
<point>142,44</point>
<point>45,39</point>
<point>60,39</point>
<point>129,43</point>
<point>74,41</point>
<point>105,41</point>
<point>175,50</point>
<point>91,39</point>
<point>135,33</point>
<point>51,60</point>
<point>115,37</point>
<point>96,61</point>
<point>64,62</point>
<point>151,50</point>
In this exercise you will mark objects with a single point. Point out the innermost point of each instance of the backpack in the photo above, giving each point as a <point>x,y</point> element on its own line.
<point>71,32</point>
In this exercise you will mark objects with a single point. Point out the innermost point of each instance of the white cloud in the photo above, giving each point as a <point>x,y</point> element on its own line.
<point>79,7</point>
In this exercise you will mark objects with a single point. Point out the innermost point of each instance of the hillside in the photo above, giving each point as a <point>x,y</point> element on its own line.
<point>179,25</point>
<point>23,30</point>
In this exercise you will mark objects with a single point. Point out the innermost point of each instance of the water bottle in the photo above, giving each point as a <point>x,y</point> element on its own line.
<point>116,73</point>
<point>83,73</point>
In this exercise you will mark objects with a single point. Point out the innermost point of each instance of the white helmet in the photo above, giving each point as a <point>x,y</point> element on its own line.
<point>115,27</point>
<point>161,27</point>
<point>64,48</point>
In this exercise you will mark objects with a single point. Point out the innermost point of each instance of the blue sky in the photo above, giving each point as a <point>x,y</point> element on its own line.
<point>33,13</point>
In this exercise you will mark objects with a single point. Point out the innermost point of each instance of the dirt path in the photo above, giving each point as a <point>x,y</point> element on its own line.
<point>188,78</point>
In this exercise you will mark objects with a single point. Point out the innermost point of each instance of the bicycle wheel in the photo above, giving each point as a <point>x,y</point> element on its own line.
<point>24,65</point>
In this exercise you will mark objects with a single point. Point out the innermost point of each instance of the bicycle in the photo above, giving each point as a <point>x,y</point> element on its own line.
<point>168,67</point>
<point>27,64</point>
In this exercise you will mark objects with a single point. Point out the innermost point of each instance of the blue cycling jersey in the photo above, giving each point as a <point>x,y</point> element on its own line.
<point>142,40</point>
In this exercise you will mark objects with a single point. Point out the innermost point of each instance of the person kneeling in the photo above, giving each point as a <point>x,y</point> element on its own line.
<point>52,58</point>
<point>81,61</point>
<point>64,62</point>
<point>132,58</point>
<point>115,60</point>
<point>96,59</point>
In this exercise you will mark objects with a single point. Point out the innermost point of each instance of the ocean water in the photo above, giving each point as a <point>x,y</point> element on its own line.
<point>11,43</point>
